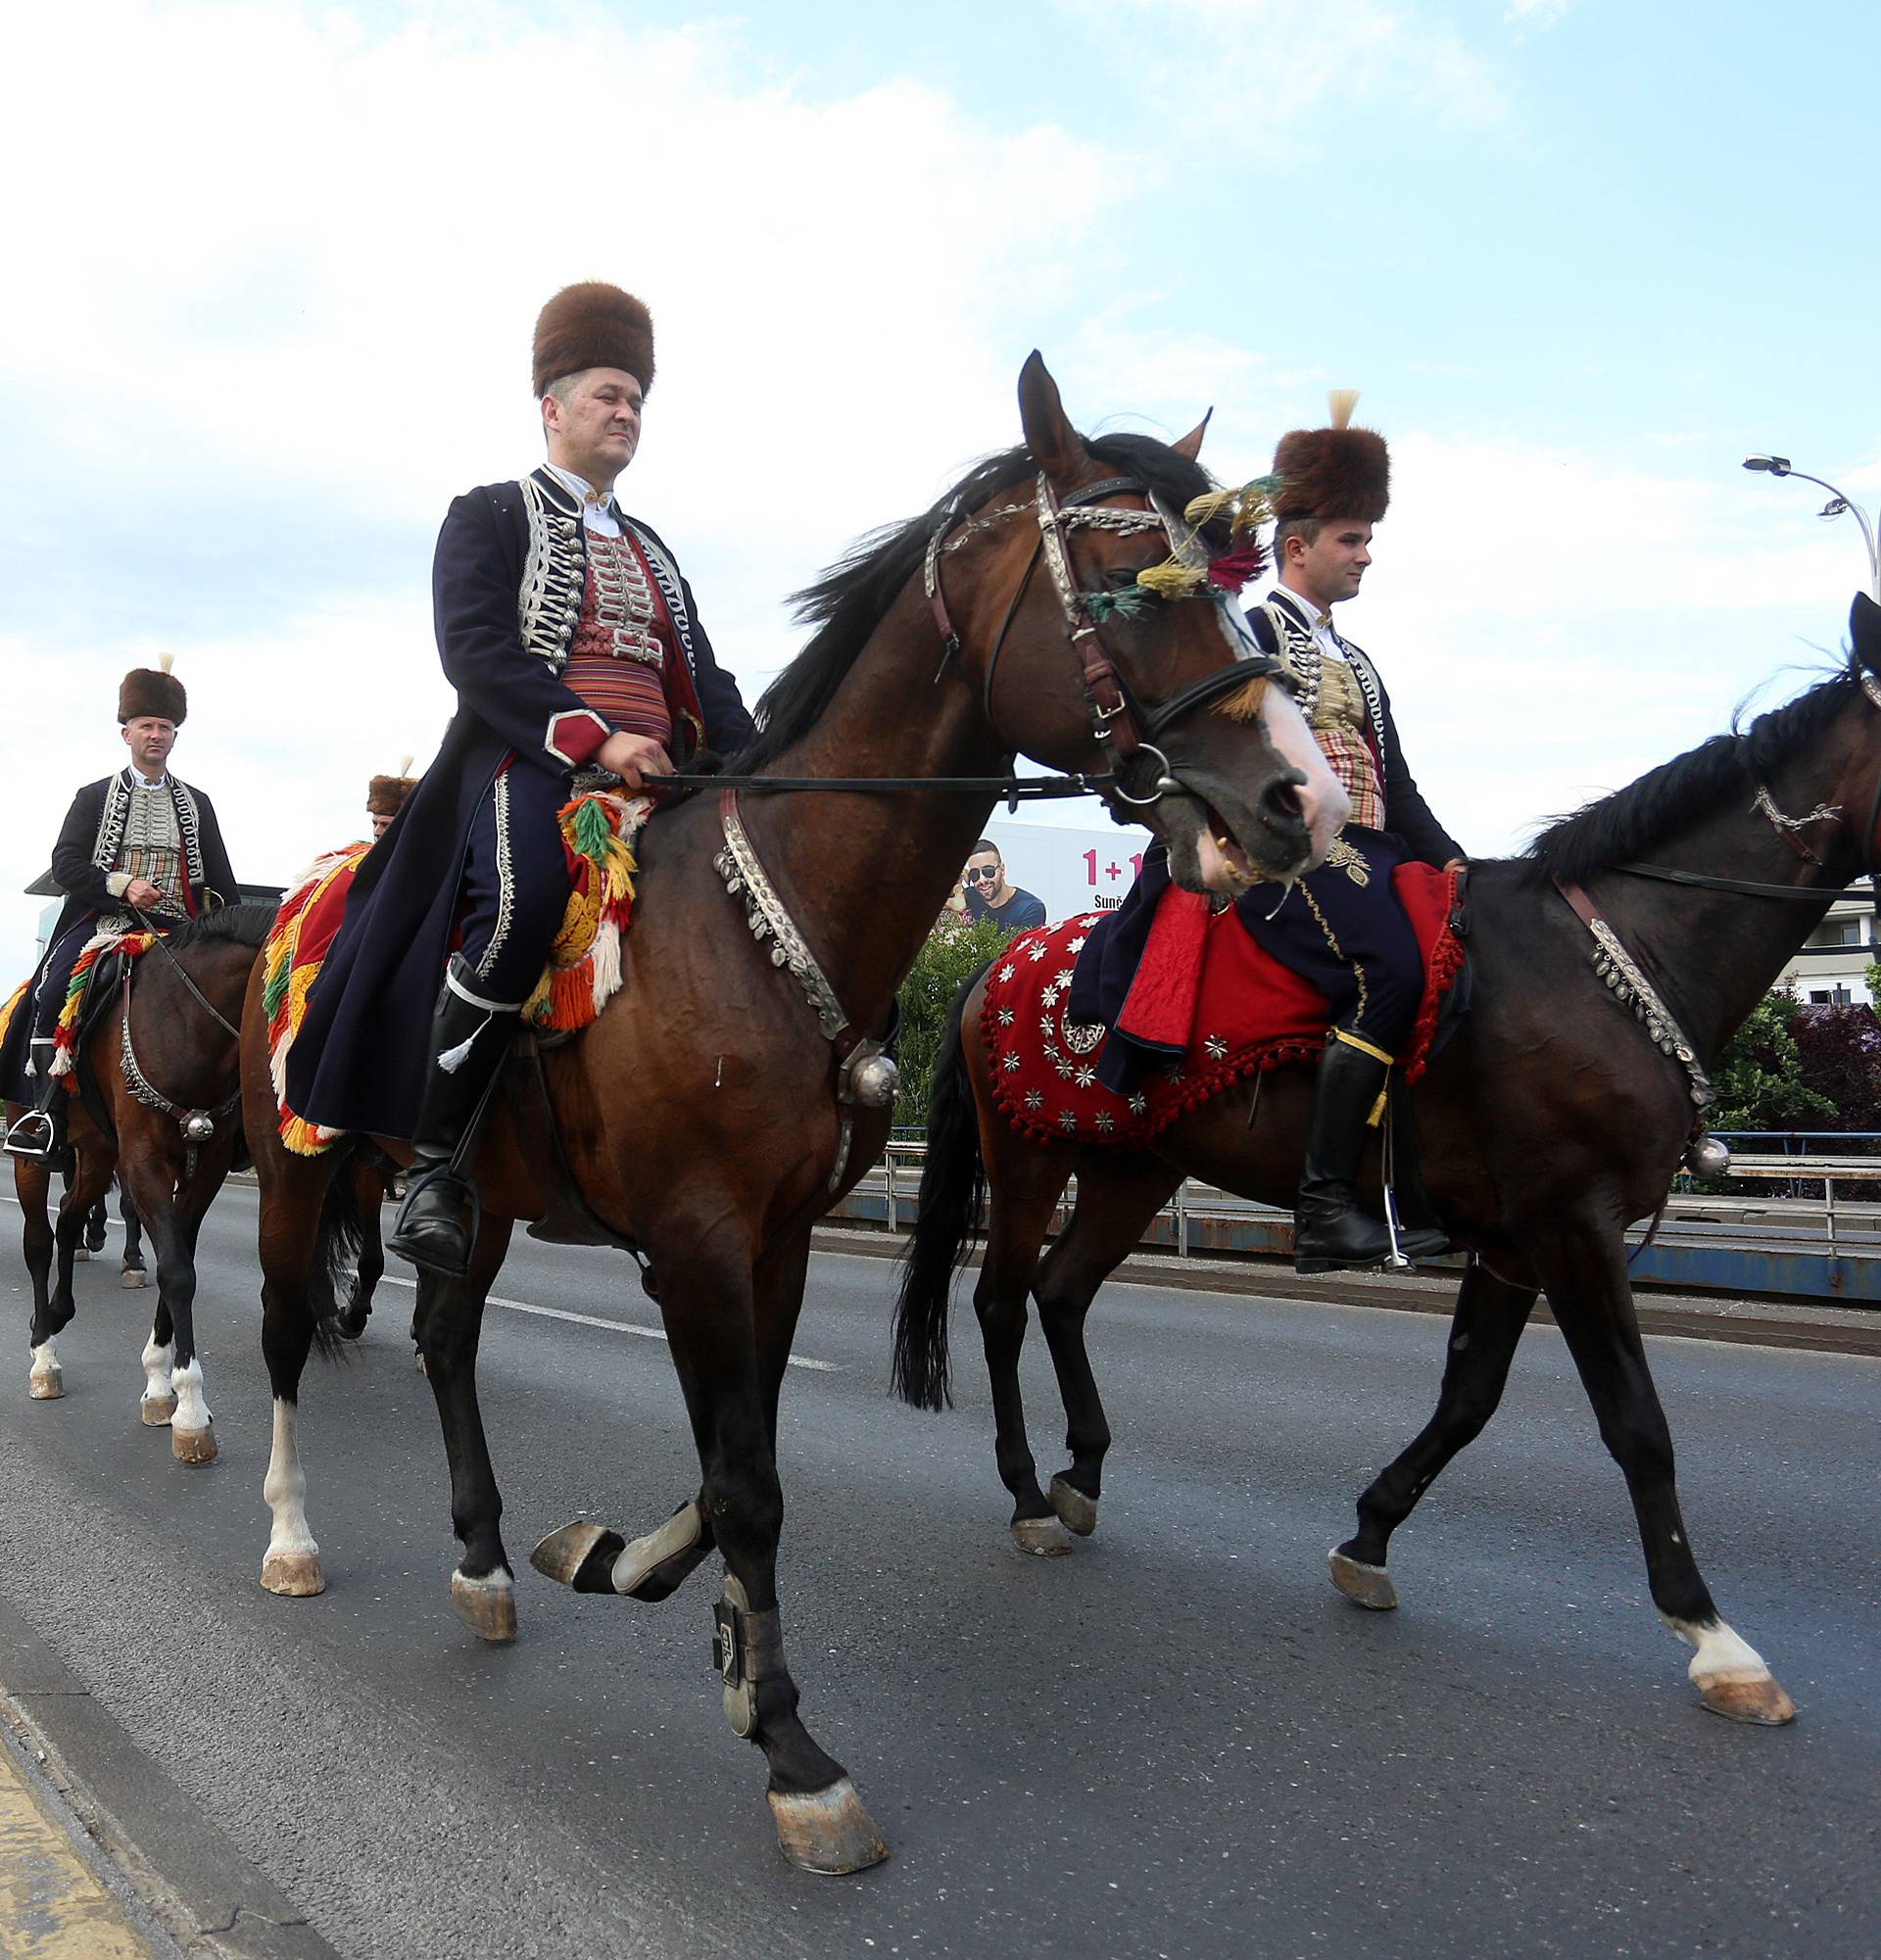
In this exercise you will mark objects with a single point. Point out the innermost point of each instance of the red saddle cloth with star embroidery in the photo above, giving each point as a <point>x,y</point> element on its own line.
<point>1204,982</point>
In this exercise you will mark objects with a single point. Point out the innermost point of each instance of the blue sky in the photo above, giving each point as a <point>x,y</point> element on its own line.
<point>279,266</point>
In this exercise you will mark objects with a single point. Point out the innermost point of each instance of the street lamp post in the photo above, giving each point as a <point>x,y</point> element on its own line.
<point>1839,501</point>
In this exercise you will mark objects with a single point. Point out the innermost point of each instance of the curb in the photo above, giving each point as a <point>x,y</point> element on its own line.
<point>1763,1324</point>
<point>201,1890</point>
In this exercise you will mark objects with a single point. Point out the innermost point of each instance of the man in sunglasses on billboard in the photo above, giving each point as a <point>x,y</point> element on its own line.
<point>989,896</point>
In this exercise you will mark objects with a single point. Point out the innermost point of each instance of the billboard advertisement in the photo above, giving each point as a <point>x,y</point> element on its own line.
<point>1073,871</point>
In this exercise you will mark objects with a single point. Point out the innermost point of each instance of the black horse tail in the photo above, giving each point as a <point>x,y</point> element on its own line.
<point>953,1192</point>
<point>336,1252</point>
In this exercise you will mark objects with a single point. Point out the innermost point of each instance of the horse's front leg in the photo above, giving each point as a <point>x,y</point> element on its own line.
<point>708,1300</point>
<point>1585,1276</point>
<point>32,1187</point>
<point>91,1171</point>
<point>1490,1314</point>
<point>450,1322</point>
<point>170,1217</point>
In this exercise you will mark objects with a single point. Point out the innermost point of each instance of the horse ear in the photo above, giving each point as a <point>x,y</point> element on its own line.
<point>1050,438</point>
<point>1865,630</point>
<point>1190,445</point>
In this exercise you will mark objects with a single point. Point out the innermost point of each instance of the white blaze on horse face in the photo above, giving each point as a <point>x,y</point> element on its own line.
<point>1323,804</point>
<point>192,1411</point>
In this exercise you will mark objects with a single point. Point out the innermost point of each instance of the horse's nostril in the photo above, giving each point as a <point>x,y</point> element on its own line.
<point>1282,803</point>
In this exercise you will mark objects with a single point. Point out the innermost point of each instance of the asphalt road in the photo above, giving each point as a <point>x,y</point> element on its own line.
<point>1177,1741</point>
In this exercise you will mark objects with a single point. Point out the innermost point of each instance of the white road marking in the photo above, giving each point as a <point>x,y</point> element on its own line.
<point>613,1327</point>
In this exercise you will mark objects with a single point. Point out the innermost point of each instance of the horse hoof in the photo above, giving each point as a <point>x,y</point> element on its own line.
<point>827,1832</point>
<point>1762,1700</point>
<point>487,1606</point>
<point>1078,1513</point>
<point>1365,1585</point>
<point>46,1384</point>
<point>1042,1537</point>
<point>155,1410</point>
<point>132,1277</point>
<point>581,1556</point>
<point>192,1446</point>
<point>79,1252</point>
<point>293,1575</point>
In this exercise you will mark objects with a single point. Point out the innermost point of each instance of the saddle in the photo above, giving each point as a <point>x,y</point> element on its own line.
<point>1226,1008</point>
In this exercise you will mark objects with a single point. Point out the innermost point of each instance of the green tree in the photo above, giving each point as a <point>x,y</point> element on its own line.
<point>940,969</point>
<point>1758,1078</point>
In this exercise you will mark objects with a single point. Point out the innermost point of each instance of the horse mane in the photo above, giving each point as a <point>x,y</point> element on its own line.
<point>847,603</point>
<point>239,925</point>
<point>1618,827</point>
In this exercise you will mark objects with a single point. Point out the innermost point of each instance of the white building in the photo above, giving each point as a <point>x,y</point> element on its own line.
<point>1831,965</point>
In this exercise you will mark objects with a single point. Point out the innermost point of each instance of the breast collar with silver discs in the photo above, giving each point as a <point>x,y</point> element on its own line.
<point>866,1077</point>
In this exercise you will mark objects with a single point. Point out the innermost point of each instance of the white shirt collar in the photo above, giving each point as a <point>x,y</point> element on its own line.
<point>139,781</point>
<point>597,510</point>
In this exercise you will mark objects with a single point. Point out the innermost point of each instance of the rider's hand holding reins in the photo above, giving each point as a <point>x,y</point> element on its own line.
<point>633,758</point>
<point>142,895</point>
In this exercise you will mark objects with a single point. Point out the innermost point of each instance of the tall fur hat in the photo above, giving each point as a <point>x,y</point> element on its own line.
<point>152,690</point>
<point>385,793</point>
<point>591,325</point>
<point>1337,472</point>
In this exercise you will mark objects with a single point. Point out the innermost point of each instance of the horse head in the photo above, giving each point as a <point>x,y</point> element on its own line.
<point>1153,680</point>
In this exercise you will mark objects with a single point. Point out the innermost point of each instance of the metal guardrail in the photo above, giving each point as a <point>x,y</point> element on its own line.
<point>1827,1247</point>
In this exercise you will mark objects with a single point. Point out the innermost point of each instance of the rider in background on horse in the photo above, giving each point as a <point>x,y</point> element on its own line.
<point>1341,927</point>
<point>139,843</point>
<point>385,797</point>
<point>578,659</point>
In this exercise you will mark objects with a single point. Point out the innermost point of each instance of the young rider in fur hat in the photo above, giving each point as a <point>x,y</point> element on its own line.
<point>385,797</point>
<point>1341,927</point>
<point>574,646</point>
<point>137,842</point>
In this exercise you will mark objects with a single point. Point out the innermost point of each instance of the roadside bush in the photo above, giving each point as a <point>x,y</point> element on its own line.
<point>1758,1078</point>
<point>942,968</point>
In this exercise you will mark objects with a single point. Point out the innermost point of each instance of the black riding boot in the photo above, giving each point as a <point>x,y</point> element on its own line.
<point>1331,1232</point>
<point>468,1043</point>
<point>41,1131</point>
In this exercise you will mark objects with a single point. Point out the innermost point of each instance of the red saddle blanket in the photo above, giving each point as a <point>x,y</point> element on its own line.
<point>1204,983</point>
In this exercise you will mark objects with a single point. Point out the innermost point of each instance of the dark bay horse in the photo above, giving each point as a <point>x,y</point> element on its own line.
<point>1549,1124</point>
<point>699,1113</point>
<point>183,1003</point>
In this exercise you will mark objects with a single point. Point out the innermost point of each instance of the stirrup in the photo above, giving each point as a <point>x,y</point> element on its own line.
<point>427,1257</point>
<point>33,1134</point>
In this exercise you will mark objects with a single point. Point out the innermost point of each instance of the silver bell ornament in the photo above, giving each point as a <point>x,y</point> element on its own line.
<point>873,1083</point>
<point>1708,1158</point>
<point>199,1126</point>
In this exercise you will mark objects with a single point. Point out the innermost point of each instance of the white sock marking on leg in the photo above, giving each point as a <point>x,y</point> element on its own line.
<point>157,1362</point>
<point>44,1360</point>
<point>1722,1656</point>
<point>285,1488</point>
<point>192,1411</point>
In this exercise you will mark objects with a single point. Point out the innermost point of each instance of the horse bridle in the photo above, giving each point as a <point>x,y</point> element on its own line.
<point>1118,723</point>
<point>1788,828</point>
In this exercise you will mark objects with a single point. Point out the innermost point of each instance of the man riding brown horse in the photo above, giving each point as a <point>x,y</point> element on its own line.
<point>137,846</point>
<point>578,657</point>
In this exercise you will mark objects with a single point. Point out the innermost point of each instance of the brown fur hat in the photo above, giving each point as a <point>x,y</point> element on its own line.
<point>1336,472</point>
<point>386,793</point>
<point>591,325</point>
<point>152,690</point>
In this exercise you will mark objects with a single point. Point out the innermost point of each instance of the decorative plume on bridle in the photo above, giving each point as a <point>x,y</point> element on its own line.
<point>1191,570</point>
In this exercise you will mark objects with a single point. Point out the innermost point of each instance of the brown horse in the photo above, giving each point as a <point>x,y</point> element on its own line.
<point>700,1113</point>
<point>1549,1123</point>
<point>164,1053</point>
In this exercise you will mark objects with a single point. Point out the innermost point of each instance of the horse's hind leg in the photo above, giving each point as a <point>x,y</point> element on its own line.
<point>131,1275</point>
<point>1585,1276</point>
<point>369,1185</point>
<point>32,1188</point>
<point>1116,1199</point>
<point>1490,1314</point>
<point>483,1588</point>
<point>1024,1184</point>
